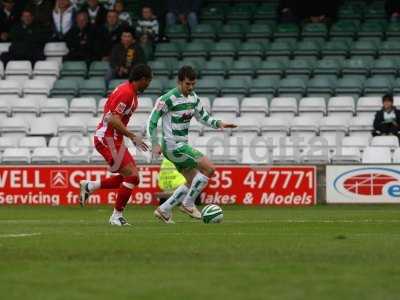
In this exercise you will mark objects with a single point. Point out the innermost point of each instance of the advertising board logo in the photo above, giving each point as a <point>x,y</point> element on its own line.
<point>369,183</point>
<point>59,179</point>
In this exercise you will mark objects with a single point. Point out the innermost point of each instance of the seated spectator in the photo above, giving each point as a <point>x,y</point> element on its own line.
<point>184,10</point>
<point>393,9</point>
<point>316,11</point>
<point>124,56</point>
<point>78,4</point>
<point>8,17</point>
<point>387,120</point>
<point>148,24</point>
<point>96,12</point>
<point>109,34</point>
<point>124,16</point>
<point>41,10</point>
<point>159,8</point>
<point>107,4</point>
<point>80,39</point>
<point>27,40</point>
<point>288,10</point>
<point>63,18</point>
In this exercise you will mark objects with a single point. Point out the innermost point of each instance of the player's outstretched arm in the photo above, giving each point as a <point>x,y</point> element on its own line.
<point>202,115</point>
<point>152,124</point>
<point>117,124</point>
<point>226,125</point>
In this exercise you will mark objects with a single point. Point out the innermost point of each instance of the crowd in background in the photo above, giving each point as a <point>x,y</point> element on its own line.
<point>92,29</point>
<point>105,30</point>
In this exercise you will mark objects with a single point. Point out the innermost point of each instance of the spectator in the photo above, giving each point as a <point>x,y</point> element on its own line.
<point>393,9</point>
<point>80,39</point>
<point>159,8</point>
<point>317,12</point>
<point>41,10</point>
<point>78,4</point>
<point>124,16</point>
<point>107,4</point>
<point>148,24</point>
<point>27,40</point>
<point>387,120</point>
<point>96,12</point>
<point>185,10</point>
<point>124,56</point>
<point>8,18</point>
<point>288,11</point>
<point>109,34</point>
<point>63,18</point>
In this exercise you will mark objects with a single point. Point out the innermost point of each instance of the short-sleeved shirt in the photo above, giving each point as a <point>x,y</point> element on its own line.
<point>123,101</point>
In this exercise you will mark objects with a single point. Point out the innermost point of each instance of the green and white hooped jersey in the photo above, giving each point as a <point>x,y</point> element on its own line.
<point>176,112</point>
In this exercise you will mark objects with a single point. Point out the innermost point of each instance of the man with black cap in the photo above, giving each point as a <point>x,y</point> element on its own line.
<point>125,55</point>
<point>387,120</point>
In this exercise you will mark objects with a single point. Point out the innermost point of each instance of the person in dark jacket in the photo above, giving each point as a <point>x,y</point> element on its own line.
<point>42,11</point>
<point>80,39</point>
<point>124,56</point>
<point>26,35</point>
<point>109,34</point>
<point>8,17</point>
<point>387,120</point>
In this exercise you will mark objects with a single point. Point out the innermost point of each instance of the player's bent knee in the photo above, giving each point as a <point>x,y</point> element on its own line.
<point>131,181</point>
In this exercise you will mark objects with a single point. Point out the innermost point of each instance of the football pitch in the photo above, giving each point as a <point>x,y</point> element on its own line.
<point>325,252</point>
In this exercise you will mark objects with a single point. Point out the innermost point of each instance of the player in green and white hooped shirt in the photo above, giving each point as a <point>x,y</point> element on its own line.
<point>176,108</point>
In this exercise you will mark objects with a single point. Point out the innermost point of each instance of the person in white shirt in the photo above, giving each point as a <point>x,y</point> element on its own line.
<point>63,18</point>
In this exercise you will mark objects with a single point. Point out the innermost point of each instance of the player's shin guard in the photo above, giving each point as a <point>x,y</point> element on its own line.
<point>176,198</point>
<point>199,182</point>
<point>125,192</point>
<point>112,182</point>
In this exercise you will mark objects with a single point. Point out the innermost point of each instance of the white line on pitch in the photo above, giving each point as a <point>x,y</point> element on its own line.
<point>230,221</point>
<point>19,235</point>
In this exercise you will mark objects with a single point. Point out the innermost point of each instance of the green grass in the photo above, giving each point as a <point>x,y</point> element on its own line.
<point>325,252</point>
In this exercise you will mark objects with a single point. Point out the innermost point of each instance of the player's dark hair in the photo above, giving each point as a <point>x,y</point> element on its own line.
<point>139,72</point>
<point>186,72</point>
<point>387,97</point>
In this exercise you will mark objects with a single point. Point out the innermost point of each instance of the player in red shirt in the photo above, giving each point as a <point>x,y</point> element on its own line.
<point>109,142</point>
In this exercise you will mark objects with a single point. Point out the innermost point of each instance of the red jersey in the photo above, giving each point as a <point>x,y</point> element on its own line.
<point>123,101</point>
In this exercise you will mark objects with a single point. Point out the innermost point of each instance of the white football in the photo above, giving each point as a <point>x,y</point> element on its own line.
<point>212,214</point>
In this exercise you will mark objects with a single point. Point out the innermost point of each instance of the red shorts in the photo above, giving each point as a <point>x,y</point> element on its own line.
<point>117,156</point>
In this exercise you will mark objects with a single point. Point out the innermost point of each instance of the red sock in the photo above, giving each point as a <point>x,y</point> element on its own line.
<point>112,182</point>
<point>122,198</point>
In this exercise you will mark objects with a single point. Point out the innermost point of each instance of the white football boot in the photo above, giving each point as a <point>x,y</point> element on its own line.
<point>163,216</point>
<point>118,220</point>
<point>84,192</point>
<point>192,211</point>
